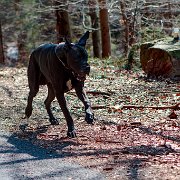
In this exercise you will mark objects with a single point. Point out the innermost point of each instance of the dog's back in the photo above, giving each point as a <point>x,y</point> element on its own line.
<point>40,63</point>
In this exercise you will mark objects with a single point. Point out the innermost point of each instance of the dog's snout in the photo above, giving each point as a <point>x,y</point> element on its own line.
<point>88,69</point>
<point>85,68</point>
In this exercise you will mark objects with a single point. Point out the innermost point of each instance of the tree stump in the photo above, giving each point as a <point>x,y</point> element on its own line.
<point>161,58</point>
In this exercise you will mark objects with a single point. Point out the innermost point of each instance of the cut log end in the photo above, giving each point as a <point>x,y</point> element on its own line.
<point>159,63</point>
<point>161,59</point>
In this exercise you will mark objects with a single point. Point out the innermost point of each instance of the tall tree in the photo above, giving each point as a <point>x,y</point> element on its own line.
<point>95,26</point>
<point>1,46</point>
<point>63,20</point>
<point>105,34</point>
<point>129,21</point>
<point>22,35</point>
<point>16,6</point>
<point>126,23</point>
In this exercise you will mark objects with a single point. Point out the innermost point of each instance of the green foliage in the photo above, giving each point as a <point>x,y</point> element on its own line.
<point>26,23</point>
<point>110,62</point>
<point>149,34</point>
<point>34,23</point>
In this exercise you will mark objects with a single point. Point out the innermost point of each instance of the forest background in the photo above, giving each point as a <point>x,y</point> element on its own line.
<point>115,25</point>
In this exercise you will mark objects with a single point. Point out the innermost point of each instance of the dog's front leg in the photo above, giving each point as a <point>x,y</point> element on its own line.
<point>62,102</point>
<point>83,97</point>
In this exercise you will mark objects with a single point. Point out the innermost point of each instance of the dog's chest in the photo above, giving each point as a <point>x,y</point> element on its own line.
<point>69,82</point>
<point>69,85</point>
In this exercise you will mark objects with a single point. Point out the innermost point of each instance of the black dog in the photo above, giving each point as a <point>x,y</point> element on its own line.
<point>60,67</point>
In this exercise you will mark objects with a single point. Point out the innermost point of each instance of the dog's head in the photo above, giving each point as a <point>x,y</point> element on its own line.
<point>77,57</point>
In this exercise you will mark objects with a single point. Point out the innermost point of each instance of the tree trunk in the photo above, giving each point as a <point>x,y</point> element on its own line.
<point>16,7</point>
<point>105,34</point>
<point>22,36</point>
<point>95,26</point>
<point>21,43</point>
<point>63,22</point>
<point>125,21</point>
<point>1,46</point>
<point>129,22</point>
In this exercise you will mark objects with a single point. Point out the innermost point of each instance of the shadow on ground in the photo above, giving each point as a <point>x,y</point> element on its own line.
<point>80,151</point>
<point>22,159</point>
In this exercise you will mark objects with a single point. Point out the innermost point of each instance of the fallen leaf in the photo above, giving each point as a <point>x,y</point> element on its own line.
<point>108,168</point>
<point>173,115</point>
<point>135,124</point>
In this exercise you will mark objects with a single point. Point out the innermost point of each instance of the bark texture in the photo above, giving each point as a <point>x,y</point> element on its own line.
<point>161,58</point>
<point>95,26</point>
<point>1,46</point>
<point>63,22</point>
<point>105,34</point>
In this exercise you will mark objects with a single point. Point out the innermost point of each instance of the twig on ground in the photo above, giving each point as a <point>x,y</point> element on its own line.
<point>98,93</point>
<point>175,107</point>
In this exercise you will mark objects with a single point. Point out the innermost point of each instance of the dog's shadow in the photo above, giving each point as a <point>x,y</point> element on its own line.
<point>27,141</point>
<point>25,149</point>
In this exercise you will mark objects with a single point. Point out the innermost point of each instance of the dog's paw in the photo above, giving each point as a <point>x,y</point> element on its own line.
<point>89,118</point>
<point>23,127</point>
<point>54,121</point>
<point>71,134</point>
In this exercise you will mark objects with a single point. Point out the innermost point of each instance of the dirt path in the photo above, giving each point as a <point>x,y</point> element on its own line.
<point>20,159</point>
<point>123,144</point>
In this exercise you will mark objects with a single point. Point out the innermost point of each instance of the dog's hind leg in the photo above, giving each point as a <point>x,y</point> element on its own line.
<point>47,103</point>
<point>28,110</point>
<point>33,80</point>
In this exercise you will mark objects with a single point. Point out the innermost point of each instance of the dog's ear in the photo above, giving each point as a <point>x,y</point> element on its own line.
<point>67,43</point>
<point>83,39</point>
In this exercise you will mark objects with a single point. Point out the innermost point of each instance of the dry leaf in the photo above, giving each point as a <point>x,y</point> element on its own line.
<point>173,115</point>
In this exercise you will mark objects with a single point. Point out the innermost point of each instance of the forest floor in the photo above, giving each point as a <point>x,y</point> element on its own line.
<point>133,137</point>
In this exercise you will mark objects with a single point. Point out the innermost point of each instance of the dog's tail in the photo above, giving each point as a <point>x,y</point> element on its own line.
<point>35,77</point>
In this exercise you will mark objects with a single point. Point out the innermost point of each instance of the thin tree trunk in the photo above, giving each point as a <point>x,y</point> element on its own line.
<point>132,25</point>
<point>16,7</point>
<point>63,22</point>
<point>1,46</point>
<point>125,20</point>
<point>105,34</point>
<point>21,43</point>
<point>22,36</point>
<point>95,25</point>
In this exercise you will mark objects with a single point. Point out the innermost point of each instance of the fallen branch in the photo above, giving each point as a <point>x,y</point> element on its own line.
<point>98,93</point>
<point>94,93</point>
<point>176,107</point>
<point>164,92</point>
<point>117,108</point>
<point>94,107</point>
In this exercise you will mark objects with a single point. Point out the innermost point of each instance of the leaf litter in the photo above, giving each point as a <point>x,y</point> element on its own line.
<point>134,142</point>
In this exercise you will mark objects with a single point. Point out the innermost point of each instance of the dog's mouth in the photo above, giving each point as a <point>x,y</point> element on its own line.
<point>81,77</point>
<point>82,73</point>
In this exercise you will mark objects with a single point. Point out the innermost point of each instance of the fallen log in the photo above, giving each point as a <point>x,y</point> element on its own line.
<point>161,58</point>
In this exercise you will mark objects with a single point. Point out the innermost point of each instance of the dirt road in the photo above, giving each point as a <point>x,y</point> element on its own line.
<point>20,160</point>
